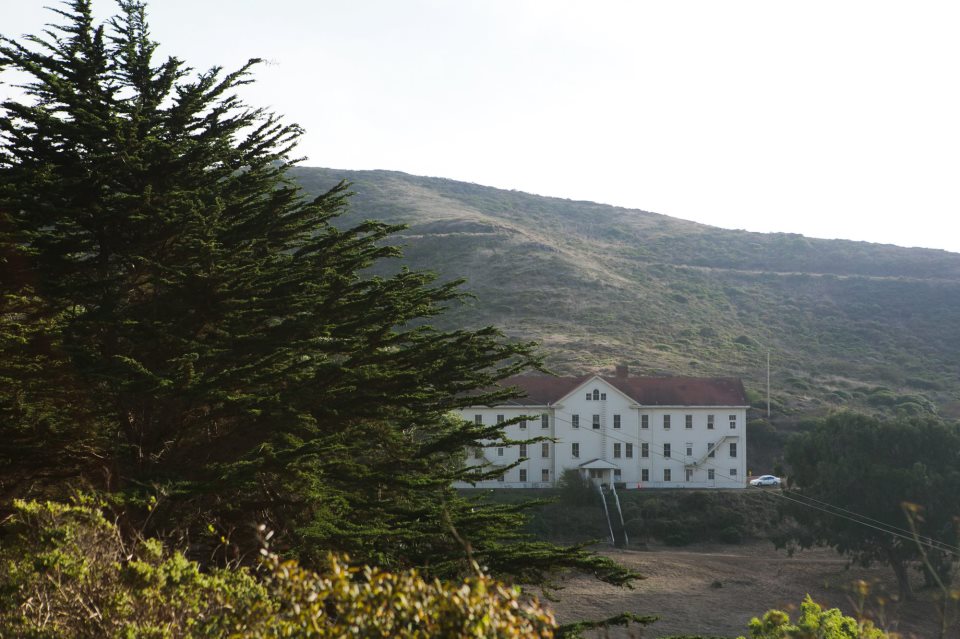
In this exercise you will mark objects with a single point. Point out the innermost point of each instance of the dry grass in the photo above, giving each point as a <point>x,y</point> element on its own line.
<point>715,590</point>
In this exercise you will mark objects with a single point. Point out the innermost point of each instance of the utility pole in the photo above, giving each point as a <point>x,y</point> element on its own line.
<point>768,383</point>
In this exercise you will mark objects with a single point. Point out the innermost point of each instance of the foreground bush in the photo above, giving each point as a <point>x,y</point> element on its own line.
<point>814,623</point>
<point>66,572</point>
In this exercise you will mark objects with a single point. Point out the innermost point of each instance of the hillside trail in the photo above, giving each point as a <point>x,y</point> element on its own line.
<point>716,590</point>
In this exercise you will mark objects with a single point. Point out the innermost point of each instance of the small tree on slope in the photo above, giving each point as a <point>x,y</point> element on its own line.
<point>851,476</point>
<point>177,321</point>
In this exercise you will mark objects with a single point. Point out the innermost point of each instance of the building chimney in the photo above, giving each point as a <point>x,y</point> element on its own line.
<point>623,371</point>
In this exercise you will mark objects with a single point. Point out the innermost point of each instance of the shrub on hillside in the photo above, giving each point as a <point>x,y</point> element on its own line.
<point>730,535</point>
<point>576,490</point>
<point>67,573</point>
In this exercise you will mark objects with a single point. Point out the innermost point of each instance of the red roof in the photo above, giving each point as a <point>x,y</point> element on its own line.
<point>543,390</point>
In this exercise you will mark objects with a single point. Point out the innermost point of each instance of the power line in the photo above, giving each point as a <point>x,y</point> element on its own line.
<point>864,517</point>
<point>797,498</point>
<point>885,528</point>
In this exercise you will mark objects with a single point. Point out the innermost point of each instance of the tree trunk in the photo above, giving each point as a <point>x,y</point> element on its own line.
<point>903,576</point>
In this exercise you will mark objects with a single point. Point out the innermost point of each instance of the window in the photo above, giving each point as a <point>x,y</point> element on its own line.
<point>733,450</point>
<point>616,450</point>
<point>644,421</point>
<point>500,477</point>
<point>709,422</point>
<point>575,421</point>
<point>710,450</point>
<point>666,474</point>
<point>499,419</point>
<point>689,449</point>
<point>544,421</point>
<point>733,472</point>
<point>616,421</point>
<point>689,474</point>
<point>499,451</point>
<point>545,474</point>
<point>575,449</point>
<point>478,453</point>
<point>523,450</point>
<point>710,474</point>
<point>596,422</point>
<point>478,419</point>
<point>603,396</point>
<point>666,451</point>
<point>523,474</point>
<point>629,451</point>
<point>644,474</point>
<point>688,421</point>
<point>616,474</point>
<point>545,449</point>
<point>523,424</point>
<point>666,422</point>
<point>596,394</point>
<point>733,421</point>
<point>589,397</point>
<point>644,450</point>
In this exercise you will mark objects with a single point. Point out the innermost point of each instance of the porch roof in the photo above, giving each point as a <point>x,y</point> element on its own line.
<point>598,464</point>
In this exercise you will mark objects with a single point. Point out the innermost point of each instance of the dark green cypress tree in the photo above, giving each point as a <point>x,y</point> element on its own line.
<point>178,321</point>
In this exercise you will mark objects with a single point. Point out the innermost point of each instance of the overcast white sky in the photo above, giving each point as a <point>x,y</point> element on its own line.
<point>828,118</point>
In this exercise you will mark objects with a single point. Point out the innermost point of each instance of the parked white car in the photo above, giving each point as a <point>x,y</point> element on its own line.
<point>765,480</point>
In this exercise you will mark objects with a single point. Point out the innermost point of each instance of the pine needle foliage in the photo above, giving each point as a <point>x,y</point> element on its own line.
<point>183,330</point>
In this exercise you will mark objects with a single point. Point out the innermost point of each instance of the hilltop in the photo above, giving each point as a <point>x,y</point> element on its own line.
<point>847,324</point>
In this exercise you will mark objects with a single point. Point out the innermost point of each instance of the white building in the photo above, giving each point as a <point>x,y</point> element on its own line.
<point>639,432</point>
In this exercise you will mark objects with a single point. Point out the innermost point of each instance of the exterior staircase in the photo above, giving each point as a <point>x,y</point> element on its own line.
<point>715,447</point>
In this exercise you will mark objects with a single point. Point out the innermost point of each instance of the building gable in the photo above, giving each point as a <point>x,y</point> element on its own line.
<point>591,383</point>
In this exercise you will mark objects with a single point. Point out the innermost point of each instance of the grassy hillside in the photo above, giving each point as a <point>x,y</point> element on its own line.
<point>854,324</point>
